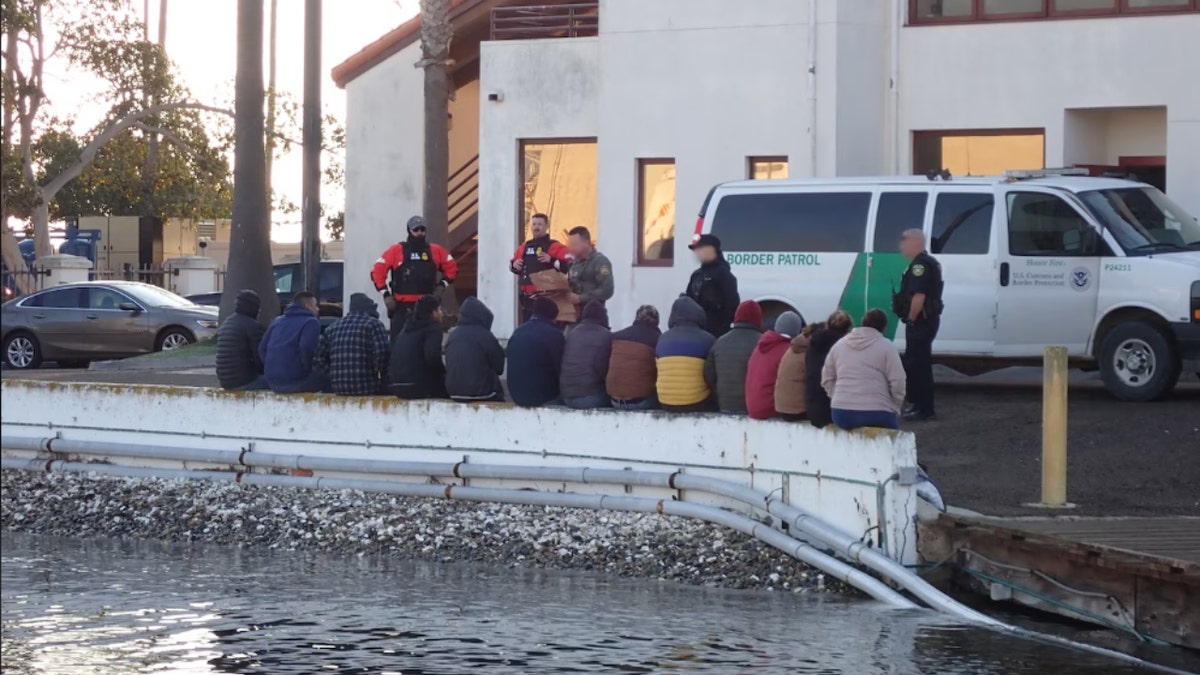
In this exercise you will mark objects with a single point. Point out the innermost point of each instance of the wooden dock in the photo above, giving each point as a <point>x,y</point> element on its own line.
<point>1140,575</point>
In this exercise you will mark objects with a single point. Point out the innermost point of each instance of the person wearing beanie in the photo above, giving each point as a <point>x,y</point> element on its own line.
<point>535,353</point>
<point>416,267</point>
<point>238,362</point>
<point>725,368</point>
<point>791,382</point>
<point>474,357</point>
<point>416,370</point>
<point>632,372</point>
<point>586,353</point>
<point>681,354</point>
<point>353,351</point>
<point>824,336</point>
<point>713,286</point>
<point>762,370</point>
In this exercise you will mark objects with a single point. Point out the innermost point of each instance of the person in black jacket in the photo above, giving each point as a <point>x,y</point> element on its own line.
<point>416,369</point>
<point>474,357</point>
<point>238,364</point>
<point>713,286</point>
<point>816,400</point>
<point>535,353</point>
<point>585,360</point>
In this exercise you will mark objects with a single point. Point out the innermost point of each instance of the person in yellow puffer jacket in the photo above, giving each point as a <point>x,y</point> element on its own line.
<point>680,357</point>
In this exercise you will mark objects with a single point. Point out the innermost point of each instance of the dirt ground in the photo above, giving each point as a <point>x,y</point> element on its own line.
<point>984,451</point>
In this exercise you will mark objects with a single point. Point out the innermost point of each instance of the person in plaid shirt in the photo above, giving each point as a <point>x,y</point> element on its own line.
<point>354,350</point>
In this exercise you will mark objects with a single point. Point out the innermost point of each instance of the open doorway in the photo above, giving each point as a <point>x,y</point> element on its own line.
<point>1119,143</point>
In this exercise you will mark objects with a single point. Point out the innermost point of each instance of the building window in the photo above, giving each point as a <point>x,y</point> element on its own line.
<point>558,178</point>
<point>760,168</point>
<point>966,11</point>
<point>978,152</point>
<point>656,212</point>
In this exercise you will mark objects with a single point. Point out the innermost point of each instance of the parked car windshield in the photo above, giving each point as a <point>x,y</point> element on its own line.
<point>1144,220</point>
<point>153,296</point>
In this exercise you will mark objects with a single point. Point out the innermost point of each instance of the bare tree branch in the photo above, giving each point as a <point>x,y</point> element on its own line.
<point>170,136</point>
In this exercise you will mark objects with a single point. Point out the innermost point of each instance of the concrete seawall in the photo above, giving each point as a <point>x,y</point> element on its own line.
<point>849,480</point>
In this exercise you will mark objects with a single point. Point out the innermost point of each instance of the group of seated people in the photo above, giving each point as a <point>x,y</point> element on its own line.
<point>824,373</point>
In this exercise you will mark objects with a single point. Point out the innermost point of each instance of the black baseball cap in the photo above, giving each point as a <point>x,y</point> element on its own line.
<point>416,223</point>
<point>705,240</point>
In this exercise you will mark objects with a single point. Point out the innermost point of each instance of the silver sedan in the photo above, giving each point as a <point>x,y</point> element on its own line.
<point>75,324</point>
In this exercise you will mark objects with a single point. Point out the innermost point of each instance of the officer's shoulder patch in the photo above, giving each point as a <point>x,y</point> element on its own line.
<point>604,271</point>
<point>918,270</point>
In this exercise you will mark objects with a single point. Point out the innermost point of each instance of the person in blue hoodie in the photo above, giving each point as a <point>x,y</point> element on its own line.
<point>289,347</point>
<point>535,353</point>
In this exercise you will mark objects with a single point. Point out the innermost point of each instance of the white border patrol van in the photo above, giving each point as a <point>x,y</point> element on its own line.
<point>1108,268</point>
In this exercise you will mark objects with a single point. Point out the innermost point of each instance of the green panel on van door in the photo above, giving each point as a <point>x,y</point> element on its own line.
<point>873,279</point>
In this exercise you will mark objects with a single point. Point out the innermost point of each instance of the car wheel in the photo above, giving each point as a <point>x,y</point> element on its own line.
<point>1138,362</point>
<point>172,339</point>
<point>22,351</point>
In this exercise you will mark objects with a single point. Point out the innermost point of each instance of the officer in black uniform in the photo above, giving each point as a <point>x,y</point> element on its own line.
<point>919,306</point>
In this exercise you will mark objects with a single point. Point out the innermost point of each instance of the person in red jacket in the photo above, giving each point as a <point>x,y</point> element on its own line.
<point>763,369</point>
<point>414,265</point>
<point>538,254</point>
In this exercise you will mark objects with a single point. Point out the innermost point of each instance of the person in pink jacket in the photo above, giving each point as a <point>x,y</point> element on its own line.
<point>865,377</point>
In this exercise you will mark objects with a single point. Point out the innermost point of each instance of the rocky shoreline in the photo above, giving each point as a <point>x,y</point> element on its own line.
<point>356,523</point>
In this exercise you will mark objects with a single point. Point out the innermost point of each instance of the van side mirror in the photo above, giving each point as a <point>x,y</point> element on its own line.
<point>129,307</point>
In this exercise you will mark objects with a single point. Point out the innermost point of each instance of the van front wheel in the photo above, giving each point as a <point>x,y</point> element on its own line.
<point>1138,362</point>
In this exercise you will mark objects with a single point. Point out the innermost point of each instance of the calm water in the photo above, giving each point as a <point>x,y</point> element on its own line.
<point>103,606</point>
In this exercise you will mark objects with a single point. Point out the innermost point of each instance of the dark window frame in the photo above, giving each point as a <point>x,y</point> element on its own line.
<point>1048,11</point>
<point>927,197</point>
<point>732,244</point>
<point>41,296</point>
<point>1008,230</point>
<point>937,248</point>
<point>640,259</point>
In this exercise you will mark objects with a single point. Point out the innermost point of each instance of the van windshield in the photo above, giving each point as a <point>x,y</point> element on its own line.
<point>1143,220</point>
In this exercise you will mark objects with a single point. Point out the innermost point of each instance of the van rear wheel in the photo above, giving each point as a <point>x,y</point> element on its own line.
<point>1138,362</point>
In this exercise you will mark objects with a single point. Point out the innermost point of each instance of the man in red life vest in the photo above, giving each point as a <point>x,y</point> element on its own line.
<point>538,254</point>
<point>414,265</point>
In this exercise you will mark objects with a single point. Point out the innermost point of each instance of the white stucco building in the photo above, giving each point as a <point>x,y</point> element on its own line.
<point>622,114</point>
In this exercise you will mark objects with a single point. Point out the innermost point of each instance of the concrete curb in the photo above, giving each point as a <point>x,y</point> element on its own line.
<point>155,364</point>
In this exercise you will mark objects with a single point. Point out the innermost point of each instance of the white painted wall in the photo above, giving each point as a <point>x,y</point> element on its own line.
<point>550,90</point>
<point>1030,73</point>
<point>384,162</point>
<point>843,478</point>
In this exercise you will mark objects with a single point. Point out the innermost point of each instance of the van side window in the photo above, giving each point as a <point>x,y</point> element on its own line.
<point>1041,224</point>
<point>816,222</point>
<point>898,211</point>
<point>962,223</point>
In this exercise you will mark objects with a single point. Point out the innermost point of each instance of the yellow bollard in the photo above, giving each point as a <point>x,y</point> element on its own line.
<point>1054,427</point>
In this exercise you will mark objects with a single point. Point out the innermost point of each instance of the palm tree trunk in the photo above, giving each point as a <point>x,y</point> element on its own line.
<point>272,60</point>
<point>250,235</point>
<point>436,34</point>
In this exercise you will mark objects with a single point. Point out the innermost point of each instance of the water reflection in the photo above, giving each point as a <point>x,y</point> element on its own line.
<point>105,606</point>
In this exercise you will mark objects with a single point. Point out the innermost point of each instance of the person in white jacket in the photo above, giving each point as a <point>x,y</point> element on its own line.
<point>864,377</point>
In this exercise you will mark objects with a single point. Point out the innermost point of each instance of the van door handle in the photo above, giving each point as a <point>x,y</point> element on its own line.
<point>91,317</point>
<point>1004,274</point>
<point>39,316</point>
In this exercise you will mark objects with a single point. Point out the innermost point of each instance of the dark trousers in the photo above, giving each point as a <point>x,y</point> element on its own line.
<point>525,305</point>
<point>918,364</point>
<point>397,318</point>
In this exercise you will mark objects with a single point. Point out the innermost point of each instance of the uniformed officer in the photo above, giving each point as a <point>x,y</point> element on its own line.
<point>540,253</point>
<point>414,266</point>
<point>590,275</point>
<point>919,306</point>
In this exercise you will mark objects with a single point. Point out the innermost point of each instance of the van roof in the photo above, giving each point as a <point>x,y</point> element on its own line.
<point>1071,183</point>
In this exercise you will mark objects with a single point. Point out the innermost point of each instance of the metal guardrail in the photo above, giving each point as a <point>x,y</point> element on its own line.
<point>529,22</point>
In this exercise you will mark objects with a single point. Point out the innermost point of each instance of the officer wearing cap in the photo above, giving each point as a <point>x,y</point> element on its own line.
<point>414,266</point>
<point>919,306</point>
<point>713,286</point>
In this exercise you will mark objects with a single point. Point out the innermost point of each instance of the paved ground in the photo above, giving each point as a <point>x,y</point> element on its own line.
<point>984,451</point>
